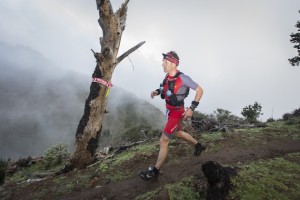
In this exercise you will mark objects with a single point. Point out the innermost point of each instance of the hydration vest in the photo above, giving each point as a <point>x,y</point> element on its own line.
<point>170,89</point>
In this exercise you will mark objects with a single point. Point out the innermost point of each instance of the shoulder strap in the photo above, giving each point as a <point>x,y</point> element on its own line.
<point>174,77</point>
<point>177,74</point>
<point>165,80</point>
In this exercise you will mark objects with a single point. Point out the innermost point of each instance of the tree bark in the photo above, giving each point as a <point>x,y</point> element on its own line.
<point>89,128</point>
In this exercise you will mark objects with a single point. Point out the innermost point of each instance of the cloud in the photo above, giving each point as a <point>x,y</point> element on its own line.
<point>236,50</point>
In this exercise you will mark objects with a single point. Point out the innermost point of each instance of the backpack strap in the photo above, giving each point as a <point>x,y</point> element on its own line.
<point>174,77</point>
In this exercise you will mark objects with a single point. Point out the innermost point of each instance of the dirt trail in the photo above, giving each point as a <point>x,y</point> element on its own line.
<point>230,153</point>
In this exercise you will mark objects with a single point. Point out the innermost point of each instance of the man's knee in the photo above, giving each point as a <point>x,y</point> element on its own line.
<point>179,134</point>
<point>164,141</point>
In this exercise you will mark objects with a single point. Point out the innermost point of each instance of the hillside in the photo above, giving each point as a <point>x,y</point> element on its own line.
<point>266,160</point>
<point>51,115</point>
<point>41,105</point>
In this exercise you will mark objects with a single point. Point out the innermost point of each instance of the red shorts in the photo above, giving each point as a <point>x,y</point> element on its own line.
<point>174,120</point>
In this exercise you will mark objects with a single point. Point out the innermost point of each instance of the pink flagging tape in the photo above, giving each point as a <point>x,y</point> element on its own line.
<point>104,82</point>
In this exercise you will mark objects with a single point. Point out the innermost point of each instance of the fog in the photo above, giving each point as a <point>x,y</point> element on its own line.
<point>41,104</point>
<point>236,50</point>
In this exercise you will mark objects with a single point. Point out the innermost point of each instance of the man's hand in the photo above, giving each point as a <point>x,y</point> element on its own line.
<point>153,94</point>
<point>187,113</point>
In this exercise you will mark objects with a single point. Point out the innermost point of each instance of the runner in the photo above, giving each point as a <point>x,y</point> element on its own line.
<point>174,89</point>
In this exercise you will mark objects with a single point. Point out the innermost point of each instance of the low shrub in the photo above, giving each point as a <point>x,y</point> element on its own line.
<point>55,155</point>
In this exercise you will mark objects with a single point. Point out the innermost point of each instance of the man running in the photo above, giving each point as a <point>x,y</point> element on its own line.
<point>174,90</point>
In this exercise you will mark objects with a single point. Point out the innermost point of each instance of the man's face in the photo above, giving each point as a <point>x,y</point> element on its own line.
<point>167,65</point>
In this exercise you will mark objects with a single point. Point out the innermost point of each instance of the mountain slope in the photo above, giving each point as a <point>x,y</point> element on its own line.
<point>41,104</point>
<point>181,176</point>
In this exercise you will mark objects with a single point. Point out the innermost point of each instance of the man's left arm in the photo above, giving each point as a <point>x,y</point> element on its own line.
<point>198,96</point>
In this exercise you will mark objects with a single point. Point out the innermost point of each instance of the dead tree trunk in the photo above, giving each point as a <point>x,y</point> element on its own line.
<point>89,127</point>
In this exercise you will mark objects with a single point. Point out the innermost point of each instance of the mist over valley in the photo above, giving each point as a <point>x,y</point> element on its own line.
<point>41,105</point>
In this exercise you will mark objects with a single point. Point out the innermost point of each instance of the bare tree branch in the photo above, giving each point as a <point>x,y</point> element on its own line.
<point>123,9</point>
<point>124,55</point>
<point>104,6</point>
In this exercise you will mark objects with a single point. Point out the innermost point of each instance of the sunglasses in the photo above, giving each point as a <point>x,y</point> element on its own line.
<point>169,56</point>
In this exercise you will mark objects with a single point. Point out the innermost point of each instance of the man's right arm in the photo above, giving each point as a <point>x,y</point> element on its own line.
<point>154,93</point>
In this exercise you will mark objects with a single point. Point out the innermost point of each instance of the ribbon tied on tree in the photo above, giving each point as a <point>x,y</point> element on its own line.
<point>104,82</point>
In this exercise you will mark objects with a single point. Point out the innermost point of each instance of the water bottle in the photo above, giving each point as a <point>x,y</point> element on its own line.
<point>168,93</point>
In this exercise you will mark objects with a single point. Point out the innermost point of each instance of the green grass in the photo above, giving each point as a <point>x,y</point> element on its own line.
<point>182,190</point>
<point>277,178</point>
<point>211,137</point>
<point>147,148</point>
<point>149,195</point>
<point>109,166</point>
<point>268,179</point>
<point>58,180</point>
<point>290,128</point>
<point>124,156</point>
<point>118,176</point>
<point>103,167</point>
<point>26,173</point>
<point>274,130</point>
<point>251,134</point>
<point>63,184</point>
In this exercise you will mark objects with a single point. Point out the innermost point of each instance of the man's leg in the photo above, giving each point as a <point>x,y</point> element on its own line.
<point>163,151</point>
<point>153,173</point>
<point>187,137</point>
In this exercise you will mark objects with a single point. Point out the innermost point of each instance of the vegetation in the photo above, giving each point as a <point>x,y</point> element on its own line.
<point>139,132</point>
<point>268,179</point>
<point>54,159</point>
<point>272,178</point>
<point>110,166</point>
<point>183,189</point>
<point>224,117</point>
<point>26,173</point>
<point>56,155</point>
<point>295,38</point>
<point>252,112</point>
<point>199,116</point>
<point>295,113</point>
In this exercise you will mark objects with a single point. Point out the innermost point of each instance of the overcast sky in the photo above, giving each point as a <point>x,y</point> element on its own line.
<point>236,50</point>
